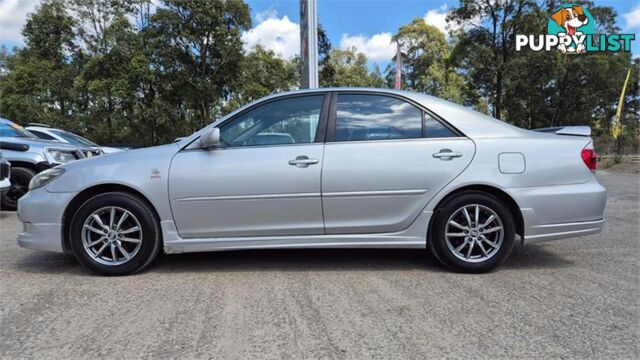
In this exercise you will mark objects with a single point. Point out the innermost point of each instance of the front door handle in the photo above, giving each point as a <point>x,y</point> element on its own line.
<point>303,161</point>
<point>446,154</point>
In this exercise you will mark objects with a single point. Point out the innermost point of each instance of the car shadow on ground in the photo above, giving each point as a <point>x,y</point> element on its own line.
<point>529,257</point>
<point>300,260</point>
<point>535,257</point>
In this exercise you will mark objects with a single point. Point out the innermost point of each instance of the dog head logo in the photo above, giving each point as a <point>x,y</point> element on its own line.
<point>570,19</point>
<point>571,29</point>
<point>570,23</point>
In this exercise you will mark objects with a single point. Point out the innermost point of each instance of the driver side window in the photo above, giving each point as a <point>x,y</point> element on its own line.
<point>287,121</point>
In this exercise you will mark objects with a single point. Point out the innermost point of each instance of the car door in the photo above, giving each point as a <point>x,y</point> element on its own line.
<point>264,180</point>
<point>384,159</point>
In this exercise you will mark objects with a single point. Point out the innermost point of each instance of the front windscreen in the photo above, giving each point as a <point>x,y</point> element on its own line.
<point>73,138</point>
<point>10,129</point>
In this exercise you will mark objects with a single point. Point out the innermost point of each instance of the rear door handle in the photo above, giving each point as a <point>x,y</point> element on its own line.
<point>446,154</point>
<point>303,161</point>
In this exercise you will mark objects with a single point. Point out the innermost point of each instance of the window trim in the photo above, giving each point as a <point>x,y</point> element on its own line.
<point>322,119</point>
<point>46,136</point>
<point>331,128</point>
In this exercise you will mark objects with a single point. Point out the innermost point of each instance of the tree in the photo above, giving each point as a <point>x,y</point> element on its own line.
<point>551,88</point>
<point>425,61</point>
<point>350,69</point>
<point>128,71</point>
<point>326,72</point>
<point>484,49</point>
<point>263,73</point>
<point>36,87</point>
<point>104,83</point>
<point>198,48</point>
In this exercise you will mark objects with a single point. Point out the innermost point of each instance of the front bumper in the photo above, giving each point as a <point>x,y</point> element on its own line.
<point>41,214</point>
<point>561,211</point>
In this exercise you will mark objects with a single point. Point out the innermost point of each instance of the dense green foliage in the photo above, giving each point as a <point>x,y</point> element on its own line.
<point>123,71</point>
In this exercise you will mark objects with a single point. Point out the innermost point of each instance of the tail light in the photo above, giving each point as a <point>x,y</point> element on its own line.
<point>590,158</point>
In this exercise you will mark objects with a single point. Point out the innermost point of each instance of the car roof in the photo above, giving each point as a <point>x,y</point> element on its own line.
<point>41,128</point>
<point>470,122</point>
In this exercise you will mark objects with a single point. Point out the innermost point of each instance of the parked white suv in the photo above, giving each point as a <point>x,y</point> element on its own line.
<point>88,147</point>
<point>29,155</point>
<point>5,173</point>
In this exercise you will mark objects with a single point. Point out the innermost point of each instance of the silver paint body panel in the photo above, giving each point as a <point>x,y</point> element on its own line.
<point>249,191</point>
<point>359,194</point>
<point>382,186</point>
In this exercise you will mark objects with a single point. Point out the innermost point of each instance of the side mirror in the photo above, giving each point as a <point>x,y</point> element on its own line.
<point>210,138</point>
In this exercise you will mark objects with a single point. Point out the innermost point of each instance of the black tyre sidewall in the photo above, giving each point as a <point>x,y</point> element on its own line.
<point>437,242</point>
<point>148,222</point>
<point>7,204</point>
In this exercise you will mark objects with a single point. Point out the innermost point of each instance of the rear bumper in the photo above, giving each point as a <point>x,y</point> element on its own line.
<point>41,214</point>
<point>541,233</point>
<point>561,211</point>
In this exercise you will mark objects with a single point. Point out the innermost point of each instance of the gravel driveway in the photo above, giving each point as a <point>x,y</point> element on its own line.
<point>576,298</point>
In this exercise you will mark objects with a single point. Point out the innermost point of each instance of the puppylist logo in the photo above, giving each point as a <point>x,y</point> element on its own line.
<point>571,30</point>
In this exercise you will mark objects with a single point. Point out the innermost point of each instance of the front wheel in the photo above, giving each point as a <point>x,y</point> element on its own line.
<point>20,178</point>
<point>473,232</point>
<point>115,233</point>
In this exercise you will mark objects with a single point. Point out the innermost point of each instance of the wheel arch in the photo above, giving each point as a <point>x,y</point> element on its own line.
<point>24,164</point>
<point>507,199</point>
<point>36,167</point>
<point>90,192</point>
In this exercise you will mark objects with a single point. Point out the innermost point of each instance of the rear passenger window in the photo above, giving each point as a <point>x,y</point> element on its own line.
<point>376,117</point>
<point>434,128</point>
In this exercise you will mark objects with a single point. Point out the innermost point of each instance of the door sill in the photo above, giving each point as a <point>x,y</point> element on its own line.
<point>413,237</point>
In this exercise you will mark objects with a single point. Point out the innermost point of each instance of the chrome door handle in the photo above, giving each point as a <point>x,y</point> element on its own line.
<point>303,161</point>
<point>446,154</point>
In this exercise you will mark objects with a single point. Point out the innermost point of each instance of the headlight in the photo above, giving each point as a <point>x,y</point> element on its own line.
<point>61,156</point>
<point>44,178</point>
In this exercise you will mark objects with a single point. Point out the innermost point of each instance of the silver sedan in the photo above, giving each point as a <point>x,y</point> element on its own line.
<point>326,168</point>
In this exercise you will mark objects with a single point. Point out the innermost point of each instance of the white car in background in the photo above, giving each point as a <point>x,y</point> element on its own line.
<point>88,147</point>
<point>5,173</point>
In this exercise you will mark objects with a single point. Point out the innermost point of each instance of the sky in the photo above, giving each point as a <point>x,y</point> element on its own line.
<point>366,25</point>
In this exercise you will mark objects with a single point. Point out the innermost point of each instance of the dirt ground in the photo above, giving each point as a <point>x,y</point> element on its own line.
<point>576,298</point>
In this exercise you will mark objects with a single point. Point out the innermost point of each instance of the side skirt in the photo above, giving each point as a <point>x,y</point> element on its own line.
<point>412,237</point>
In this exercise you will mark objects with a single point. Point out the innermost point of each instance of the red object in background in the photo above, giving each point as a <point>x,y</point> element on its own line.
<point>590,158</point>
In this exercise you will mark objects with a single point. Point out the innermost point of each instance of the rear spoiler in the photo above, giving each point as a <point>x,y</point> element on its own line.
<point>567,130</point>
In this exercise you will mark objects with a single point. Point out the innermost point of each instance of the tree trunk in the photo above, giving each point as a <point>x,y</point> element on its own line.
<point>497,105</point>
<point>560,104</point>
<point>619,145</point>
<point>109,118</point>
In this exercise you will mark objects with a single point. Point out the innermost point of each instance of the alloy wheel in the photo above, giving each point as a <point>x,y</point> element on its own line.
<point>474,233</point>
<point>112,235</point>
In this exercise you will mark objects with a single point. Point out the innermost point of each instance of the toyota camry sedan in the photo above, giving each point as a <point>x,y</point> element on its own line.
<point>325,168</point>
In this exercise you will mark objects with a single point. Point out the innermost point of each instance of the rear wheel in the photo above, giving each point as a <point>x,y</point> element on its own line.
<point>473,232</point>
<point>20,178</point>
<point>115,234</point>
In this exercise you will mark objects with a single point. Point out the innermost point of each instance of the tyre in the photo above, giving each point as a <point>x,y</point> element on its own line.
<point>115,233</point>
<point>473,232</point>
<point>20,178</point>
